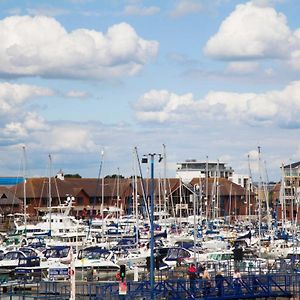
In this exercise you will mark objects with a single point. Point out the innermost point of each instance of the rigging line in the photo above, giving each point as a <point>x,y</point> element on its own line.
<point>172,201</point>
<point>266,192</point>
<point>96,193</point>
<point>42,192</point>
<point>16,187</point>
<point>142,183</point>
<point>57,193</point>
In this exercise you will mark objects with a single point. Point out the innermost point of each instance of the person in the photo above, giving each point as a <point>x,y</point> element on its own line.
<point>237,281</point>
<point>255,283</point>
<point>201,269</point>
<point>219,279</point>
<point>206,283</point>
<point>192,273</point>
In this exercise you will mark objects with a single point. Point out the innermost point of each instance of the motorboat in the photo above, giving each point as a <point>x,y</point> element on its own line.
<point>95,261</point>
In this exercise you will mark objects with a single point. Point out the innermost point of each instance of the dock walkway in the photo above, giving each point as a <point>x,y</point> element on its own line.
<point>249,287</point>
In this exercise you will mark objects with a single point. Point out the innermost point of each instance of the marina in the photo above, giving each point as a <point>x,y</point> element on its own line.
<point>192,240</point>
<point>149,150</point>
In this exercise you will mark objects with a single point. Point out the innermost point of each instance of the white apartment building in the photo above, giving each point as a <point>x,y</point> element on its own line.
<point>192,168</point>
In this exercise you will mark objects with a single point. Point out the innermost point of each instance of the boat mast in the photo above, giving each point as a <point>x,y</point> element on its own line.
<point>165,181</point>
<point>146,212</point>
<point>218,191</point>
<point>230,203</point>
<point>213,197</point>
<point>292,195</point>
<point>118,191</point>
<point>206,189</point>
<point>267,196</point>
<point>159,210</point>
<point>180,201</point>
<point>259,201</point>
<point>50,195</point>
<point>136,202</point>
<point>102,195</point>
<point>249,188</point>
<point>282,198</point>
<point>24,191</point>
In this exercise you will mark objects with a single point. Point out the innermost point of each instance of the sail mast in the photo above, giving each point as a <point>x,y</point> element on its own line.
<point>50,196</point>
<point>259,201</point>
<point>102,195</point>
<point>24,191</point>
<point>165,181</point>
<point>249,188</point>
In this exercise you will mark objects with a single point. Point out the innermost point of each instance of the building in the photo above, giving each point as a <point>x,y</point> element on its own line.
<point>240,179</point>
<point>219,196</point>
<point>192,168</point>
<point>10,181</point>
<point>285,199</point>
<point>224,198</point>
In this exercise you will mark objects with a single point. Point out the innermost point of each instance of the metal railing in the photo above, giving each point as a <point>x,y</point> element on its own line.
<point>249,286</point>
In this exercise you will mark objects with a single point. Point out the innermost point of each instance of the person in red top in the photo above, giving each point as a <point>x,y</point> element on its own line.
<point>192,272</point>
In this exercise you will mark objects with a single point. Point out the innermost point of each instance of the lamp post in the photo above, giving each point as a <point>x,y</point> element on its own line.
<point>152,279</point>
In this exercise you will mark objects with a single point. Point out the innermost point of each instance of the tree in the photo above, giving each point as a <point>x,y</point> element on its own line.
<point>114,176</point>
<point>72,176</point>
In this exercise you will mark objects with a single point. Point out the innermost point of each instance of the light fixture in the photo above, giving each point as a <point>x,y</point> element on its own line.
<point>160,158</point>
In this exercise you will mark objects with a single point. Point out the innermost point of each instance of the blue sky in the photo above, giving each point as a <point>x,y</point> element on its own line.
<point>206,77</point>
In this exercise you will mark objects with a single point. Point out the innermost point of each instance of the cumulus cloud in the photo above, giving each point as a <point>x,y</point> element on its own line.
<point>76,94</point>
<point>49,11</point>
<point>141,10</point>
<point>34,122</point>
<point>280,108</point>
<point>12,96</point>
<point>30,123</point>
<point>67,137</point>
<point>162,106</point>
<point>251,32</point>
<point>242,67</point>
<point>53,137</point>
<point>41,46</point>
<point>267,2</point>
<point>186,7</point>
<point>15,130</point>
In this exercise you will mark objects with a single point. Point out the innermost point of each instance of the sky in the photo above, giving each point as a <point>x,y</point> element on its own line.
<point>87,81</point>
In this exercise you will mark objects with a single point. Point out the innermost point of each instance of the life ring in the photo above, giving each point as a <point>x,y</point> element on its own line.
<point>71,272</point>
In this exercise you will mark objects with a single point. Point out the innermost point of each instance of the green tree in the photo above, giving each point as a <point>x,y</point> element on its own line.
<point>72,176</point>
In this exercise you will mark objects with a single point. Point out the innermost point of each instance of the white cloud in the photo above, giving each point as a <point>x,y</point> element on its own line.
<point>77,94</point>
<point>264,3</point>
<point>15,129</point>
<point>12,96</point>
<point>242,67</point>
<point>251,31</point>
<point>186,7</point>
<point>67,137</point>
<point>253,155</point>
<point>31,123</point>
<point>141,11</point>
<point>162,106</point>
<point>34,122</point>
<point>280,108</point>
<point>41,46</point>
<point>46,11</point>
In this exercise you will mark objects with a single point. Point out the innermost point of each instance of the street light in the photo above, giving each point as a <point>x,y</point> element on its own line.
<point>145,160</point>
